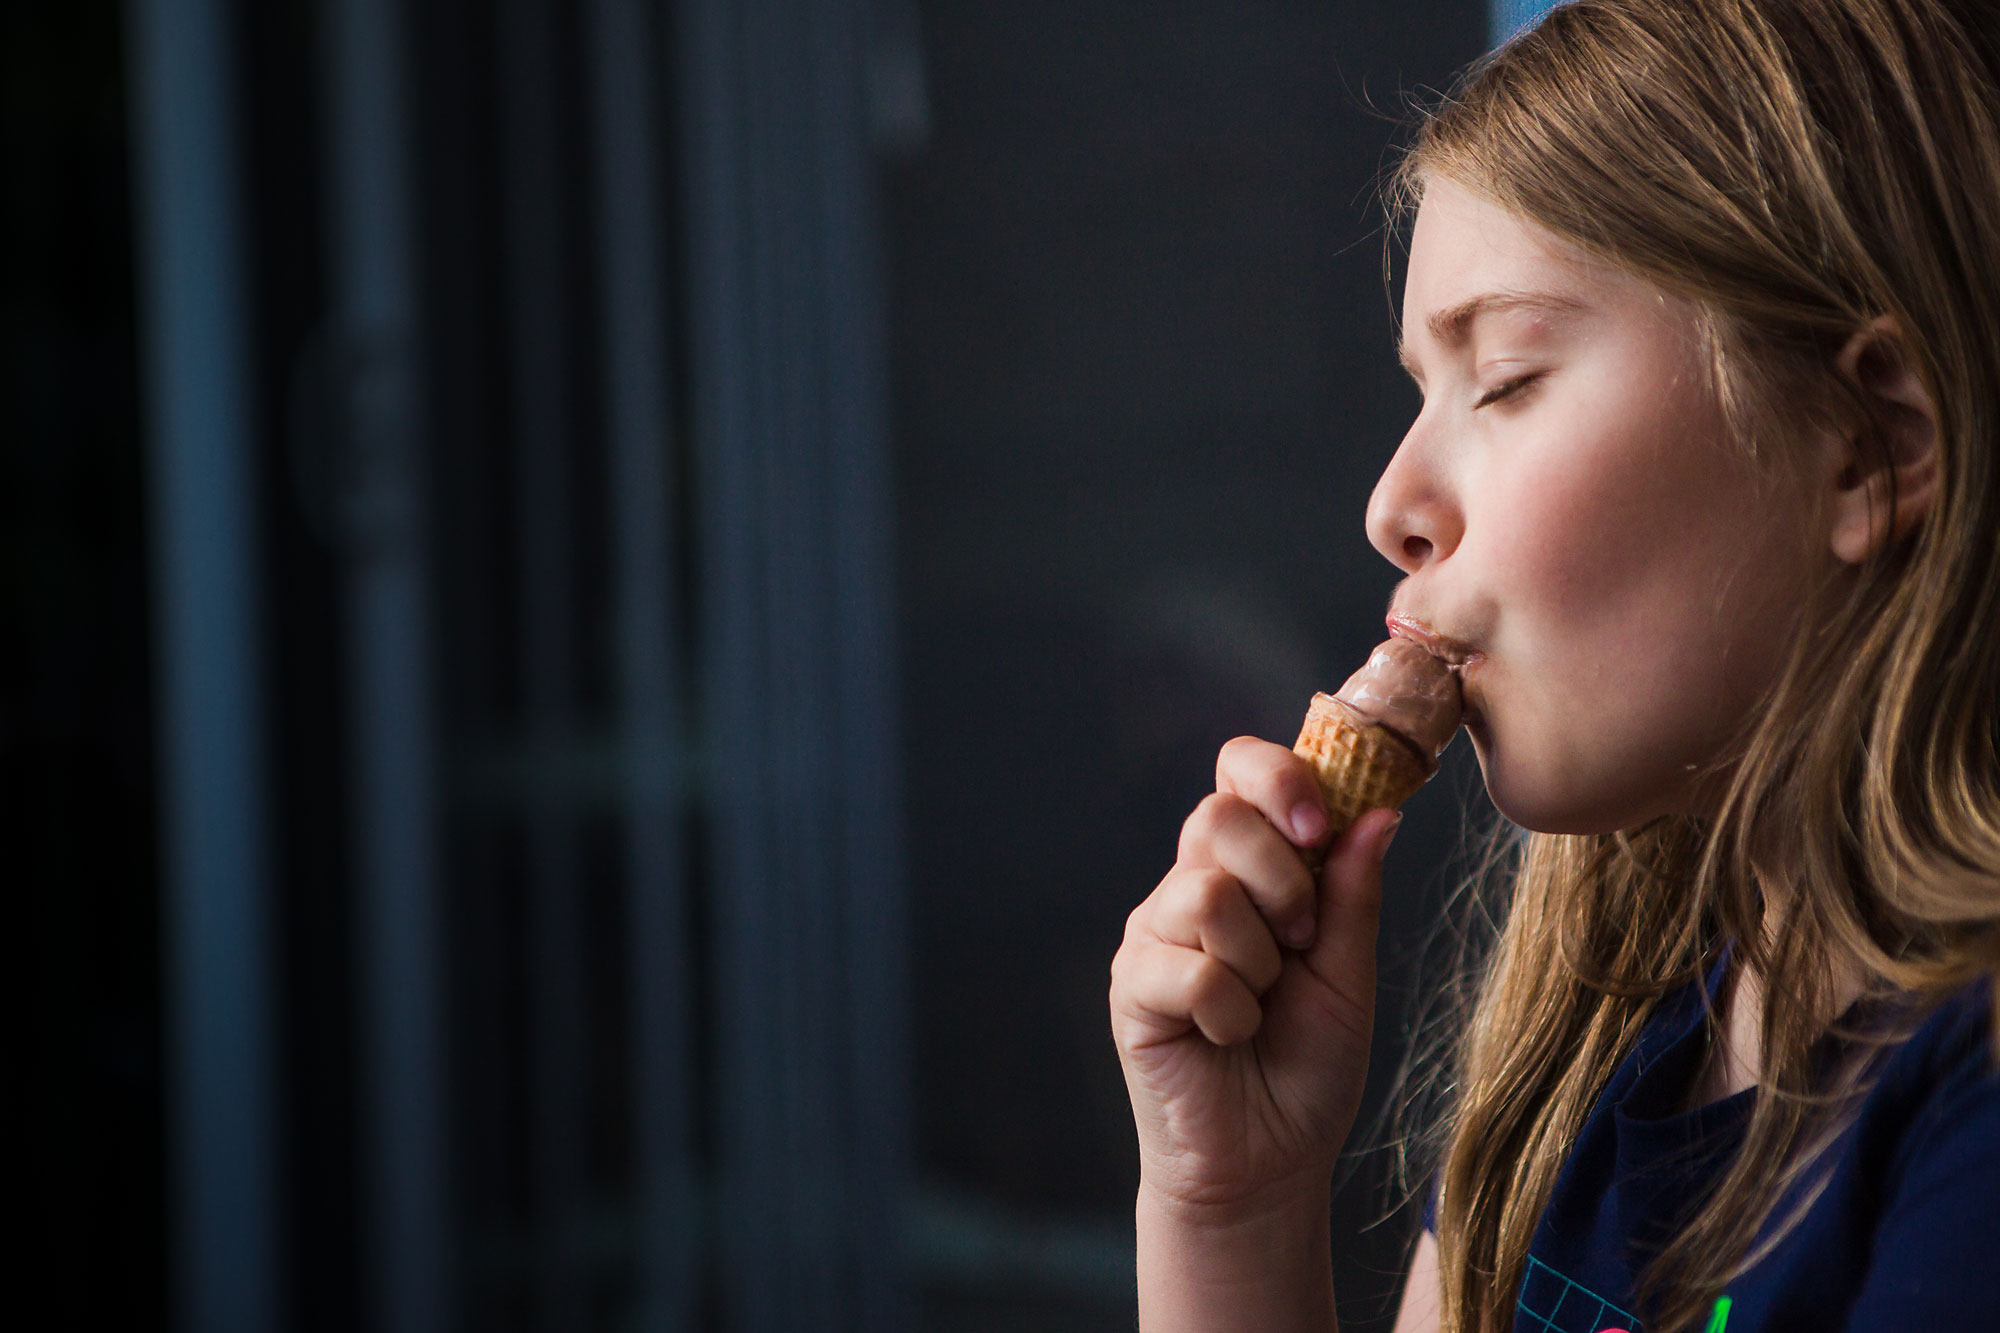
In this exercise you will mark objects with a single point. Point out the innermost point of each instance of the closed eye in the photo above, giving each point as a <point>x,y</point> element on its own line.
<point>1505,390</point>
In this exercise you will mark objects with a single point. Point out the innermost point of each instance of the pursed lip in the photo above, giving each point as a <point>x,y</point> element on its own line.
<point>1446,649</point>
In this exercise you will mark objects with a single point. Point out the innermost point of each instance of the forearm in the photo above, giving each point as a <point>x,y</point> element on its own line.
<point>1200,1272</point>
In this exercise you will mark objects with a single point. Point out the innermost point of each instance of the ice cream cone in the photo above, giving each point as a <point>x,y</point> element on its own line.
<point>1361,765</point>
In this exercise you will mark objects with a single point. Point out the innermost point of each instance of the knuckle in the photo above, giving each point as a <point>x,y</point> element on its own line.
<point>1135,920</point>
<point>1213,893</point>
<point>1194,830</point>
<point>1246,763</point>
<point>1118,994</point>
<point>1280,882</point>
<point>1209,817</point>
<point>1227,808</point>
<point>1228,1013</point>
<point>1202,817</point>
<point>1208,981</point>
<point>1128,975</point>
<point>1235,750</point>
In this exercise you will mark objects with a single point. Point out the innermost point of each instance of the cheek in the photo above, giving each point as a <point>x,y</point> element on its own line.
<point>1587,547</point>
<point>1612,588</point>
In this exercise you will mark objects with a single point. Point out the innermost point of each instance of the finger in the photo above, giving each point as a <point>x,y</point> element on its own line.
<point>1278,783</point>
<point>1226,832</point>
<point>1350,901</point>
<point>1205,908</point>
<point>1160,991</point>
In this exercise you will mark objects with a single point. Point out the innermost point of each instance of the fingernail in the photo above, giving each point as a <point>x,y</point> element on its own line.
<point>1308,821</point>
<point>1388,835</point>
<point>1300,933</point>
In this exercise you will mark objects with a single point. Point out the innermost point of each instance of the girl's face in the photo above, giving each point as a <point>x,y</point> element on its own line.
<point>1573,517</point>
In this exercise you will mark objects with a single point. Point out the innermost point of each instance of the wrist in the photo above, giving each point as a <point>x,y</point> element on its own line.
<point>1281,1207</point>
<point>1263,1262</point>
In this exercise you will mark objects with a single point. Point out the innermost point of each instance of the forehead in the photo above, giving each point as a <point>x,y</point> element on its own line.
<point>1469,254</point>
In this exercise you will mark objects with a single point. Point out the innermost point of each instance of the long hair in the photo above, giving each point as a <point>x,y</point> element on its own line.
<point>1795,169</point>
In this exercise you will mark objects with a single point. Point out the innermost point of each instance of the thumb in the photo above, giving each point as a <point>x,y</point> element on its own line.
<point>1350,903</point>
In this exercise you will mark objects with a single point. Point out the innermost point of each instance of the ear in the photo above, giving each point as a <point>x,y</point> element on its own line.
<point>1891,451</point>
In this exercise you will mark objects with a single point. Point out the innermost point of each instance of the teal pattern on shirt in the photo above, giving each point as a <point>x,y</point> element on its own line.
<point>1552,1303</point>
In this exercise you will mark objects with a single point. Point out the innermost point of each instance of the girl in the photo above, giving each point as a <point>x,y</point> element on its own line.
<point>1704,302</point>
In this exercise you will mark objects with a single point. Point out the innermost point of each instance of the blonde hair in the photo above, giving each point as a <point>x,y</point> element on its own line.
<point>1796,169</point>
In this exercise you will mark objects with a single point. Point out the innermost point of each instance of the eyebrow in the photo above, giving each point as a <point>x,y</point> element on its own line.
<point>1451,325</point>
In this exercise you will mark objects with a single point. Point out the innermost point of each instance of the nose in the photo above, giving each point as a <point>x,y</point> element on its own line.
<point>1413,518</point>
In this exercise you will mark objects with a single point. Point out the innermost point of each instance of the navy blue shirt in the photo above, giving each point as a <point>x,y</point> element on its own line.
<point>1906,1235</point>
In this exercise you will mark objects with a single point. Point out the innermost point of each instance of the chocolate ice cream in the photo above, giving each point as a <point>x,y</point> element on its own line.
<point>1377,741</point>
<point>1405,689</point>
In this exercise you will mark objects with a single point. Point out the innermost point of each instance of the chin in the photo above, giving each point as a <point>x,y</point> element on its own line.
<point>1553,817</point>
<point>1541,806</point>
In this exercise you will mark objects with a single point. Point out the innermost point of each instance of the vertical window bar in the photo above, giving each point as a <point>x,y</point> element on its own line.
<point>812,1013</point>
<point>748,1174</point>
<point>541,373</point>
<point>773,238</point>
<point>873,941</point>
<point>226,1215</point>
<point>404,1244</point>
<point>640,499</point>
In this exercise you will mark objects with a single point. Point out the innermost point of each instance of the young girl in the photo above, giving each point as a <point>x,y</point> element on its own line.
<point>1703,502</point>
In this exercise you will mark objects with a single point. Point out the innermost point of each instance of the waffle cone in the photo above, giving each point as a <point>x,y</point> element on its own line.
<point>1361,766</point>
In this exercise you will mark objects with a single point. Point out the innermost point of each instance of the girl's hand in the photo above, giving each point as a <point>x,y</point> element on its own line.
<point>1243,996</point>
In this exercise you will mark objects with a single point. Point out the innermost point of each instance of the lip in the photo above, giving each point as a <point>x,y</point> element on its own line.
<point>1446,649</point>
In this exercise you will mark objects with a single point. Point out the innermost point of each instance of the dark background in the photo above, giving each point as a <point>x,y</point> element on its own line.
<point>1017,373</point>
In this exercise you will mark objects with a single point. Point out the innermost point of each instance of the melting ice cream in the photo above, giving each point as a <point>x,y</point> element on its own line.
<point>1408,691</point>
